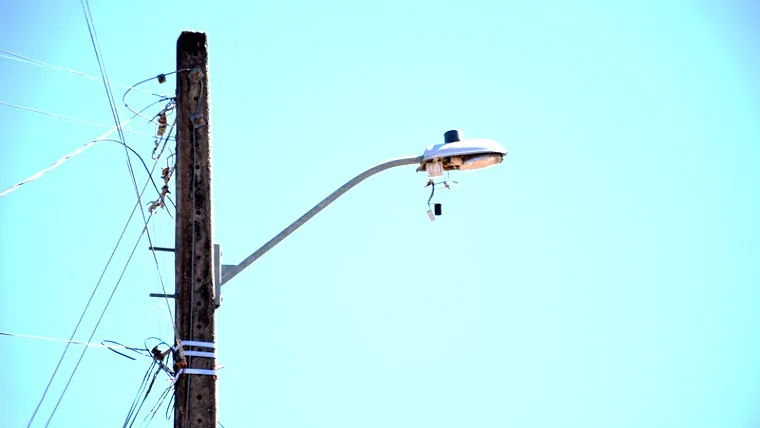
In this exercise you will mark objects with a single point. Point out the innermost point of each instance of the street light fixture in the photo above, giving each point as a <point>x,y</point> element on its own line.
<point>453,154</point>
<point>457,154</point>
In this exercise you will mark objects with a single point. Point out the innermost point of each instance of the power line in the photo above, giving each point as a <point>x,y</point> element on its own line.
<point>58,163</point>
<point>26,60</point>
<point>112,102</point>
<point>89,301</point>
<point>73,342</point>
<point>97,324</point>
<point>93,38</point>
<point>70,119</point>
<point>87,305</point>
<point>81,317</point>
<point>76,152</point>
<point>97,285</point>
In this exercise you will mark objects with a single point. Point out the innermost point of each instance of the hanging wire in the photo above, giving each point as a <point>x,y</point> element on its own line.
<point>135,409</point>
<point>152,412</point>
<point>159,77</point>
<point>432,192</point>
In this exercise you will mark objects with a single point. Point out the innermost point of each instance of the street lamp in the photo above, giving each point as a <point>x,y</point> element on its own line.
<point>457,154</point>
<point>453,154</point>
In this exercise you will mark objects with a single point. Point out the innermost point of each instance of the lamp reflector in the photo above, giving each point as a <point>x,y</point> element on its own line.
<point>482,161</point>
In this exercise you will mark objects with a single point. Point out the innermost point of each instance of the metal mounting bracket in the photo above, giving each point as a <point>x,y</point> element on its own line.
<point>219,271</point>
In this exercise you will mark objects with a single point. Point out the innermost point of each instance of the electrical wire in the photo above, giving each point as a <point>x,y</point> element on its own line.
<point>432,192</point>
<point>169,406</point>
<point>159,77</point>
<point>93,38</point>
<point>140,390</point>
<point>109,93</point>
<point>70,119</point>
<point>73,342</point>
<point>26,60</point>
<point>135,409</point>
<point>87,305</point>
<point>112,102</point>
<point>81,317</point>
<point>153,410</point>
<point>97,324</point>
<point>76,152</point>
<point>55,165</point>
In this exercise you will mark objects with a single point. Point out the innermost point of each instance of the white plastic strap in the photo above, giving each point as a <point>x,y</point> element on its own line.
<point>200,354</point>
<point>205,372</point>
<point>198,344</point>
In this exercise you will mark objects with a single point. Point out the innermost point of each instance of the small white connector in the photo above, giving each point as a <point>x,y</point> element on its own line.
<point>434,168</point>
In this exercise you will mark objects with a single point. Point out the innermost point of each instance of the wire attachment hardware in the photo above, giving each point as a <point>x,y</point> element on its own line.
<point>166,174</point>
<point>198,121</point>
<point>181,366</point>
<point>196,74</point>
<point>161,124</point>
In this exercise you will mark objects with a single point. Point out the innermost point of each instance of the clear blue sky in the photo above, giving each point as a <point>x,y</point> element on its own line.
<point>606,275</point>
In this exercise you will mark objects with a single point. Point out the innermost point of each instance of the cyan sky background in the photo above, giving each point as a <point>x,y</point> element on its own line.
<point>606,275</point>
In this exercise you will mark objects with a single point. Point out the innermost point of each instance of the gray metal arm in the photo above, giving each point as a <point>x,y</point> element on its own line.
<point>229,272</point>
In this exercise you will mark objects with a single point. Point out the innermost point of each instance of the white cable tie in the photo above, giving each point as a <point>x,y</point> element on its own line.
<point>205,372</point>
<point>198,344</point>
<point>200,354</point>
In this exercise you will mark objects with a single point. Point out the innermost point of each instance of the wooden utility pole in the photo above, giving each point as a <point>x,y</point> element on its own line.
<point>195,389</point>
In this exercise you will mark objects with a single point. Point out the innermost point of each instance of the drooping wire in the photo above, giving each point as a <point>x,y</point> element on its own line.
<point>135,409</point>
<point>159,77</point>
<point>169,406</point>
<point>157,405</point>
<point>153,410</point>
<point>143,384</point>
<point>432,192</point>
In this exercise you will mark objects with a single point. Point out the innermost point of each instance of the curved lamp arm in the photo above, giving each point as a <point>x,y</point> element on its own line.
<point>230,272</point>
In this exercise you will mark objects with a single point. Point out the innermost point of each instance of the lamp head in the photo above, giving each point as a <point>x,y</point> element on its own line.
<point>458,154</point>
